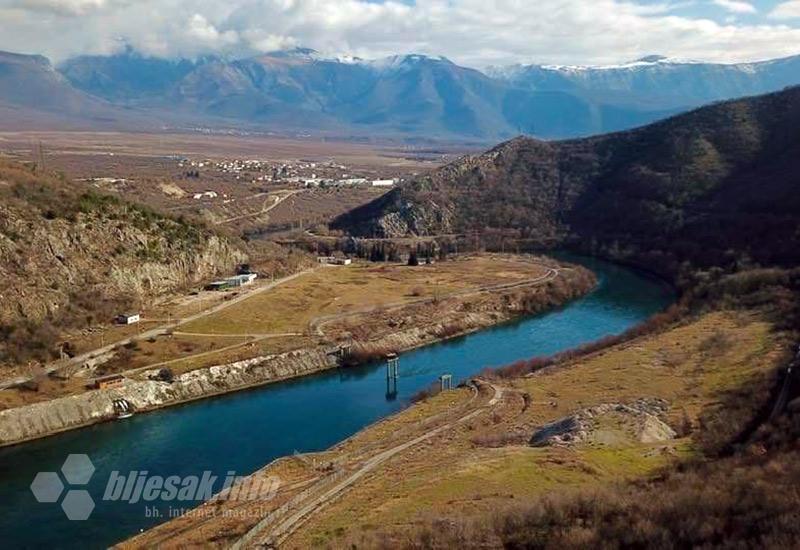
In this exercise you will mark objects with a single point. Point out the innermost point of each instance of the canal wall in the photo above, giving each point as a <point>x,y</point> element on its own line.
<point>42,419</point>
<point>39,420</point>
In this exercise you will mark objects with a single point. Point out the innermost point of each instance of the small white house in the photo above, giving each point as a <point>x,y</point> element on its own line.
<point>242,280</point>
<point>382,183</point>
<point>128,318</point>
<point>334,260</point>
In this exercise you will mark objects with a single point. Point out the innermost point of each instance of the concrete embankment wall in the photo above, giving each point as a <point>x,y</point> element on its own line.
<point>47,418</point>
<point>66,413</point>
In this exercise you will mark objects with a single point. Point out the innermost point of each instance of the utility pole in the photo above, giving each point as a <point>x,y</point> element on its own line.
<point>446,382</point>
<point>39,155</point>
<point>392,374</point>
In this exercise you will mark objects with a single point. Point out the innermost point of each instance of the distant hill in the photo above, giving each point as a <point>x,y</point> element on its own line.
<point>32,91</point>
<point>128,76</point>
<point>714,186</point>
<point>408,96</point>
<point>412,95</point>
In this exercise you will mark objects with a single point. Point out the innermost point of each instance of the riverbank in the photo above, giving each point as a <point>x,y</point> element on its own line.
<point>426,322</point>
<point>620,414</point>
<point>244,430</point>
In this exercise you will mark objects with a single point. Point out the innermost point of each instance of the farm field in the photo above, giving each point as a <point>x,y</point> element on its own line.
<point>81,150</point>
<point>181,174</point>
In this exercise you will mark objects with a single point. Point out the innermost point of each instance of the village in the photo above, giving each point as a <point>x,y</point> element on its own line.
<point>296,174</point>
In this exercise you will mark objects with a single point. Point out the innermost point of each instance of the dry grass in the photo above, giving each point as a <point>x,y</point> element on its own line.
<point>229,354</point>
<point>294,475</point>
<point>48,389</point>
<point>455,476</point>
<point>321,205</point>
<point>331,291</point>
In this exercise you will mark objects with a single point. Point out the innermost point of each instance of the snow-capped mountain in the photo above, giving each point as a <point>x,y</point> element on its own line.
<point>411,95</point>
<point>656,80</point>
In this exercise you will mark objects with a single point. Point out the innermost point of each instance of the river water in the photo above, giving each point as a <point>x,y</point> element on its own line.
<point>243,431</point>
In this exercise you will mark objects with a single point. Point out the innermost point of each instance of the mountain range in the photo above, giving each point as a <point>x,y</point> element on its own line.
<point>411,96</point>
<point>657,81</point>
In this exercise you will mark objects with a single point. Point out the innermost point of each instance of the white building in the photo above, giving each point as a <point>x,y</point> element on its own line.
<point>205,195</point>
<point>352,181</point>
<point>382,183</point>
<point>128,318</point>
<point>242,280</point>
<point>333,260</point>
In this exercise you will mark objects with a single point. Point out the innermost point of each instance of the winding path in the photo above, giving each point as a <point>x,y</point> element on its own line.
<point>277,199</point>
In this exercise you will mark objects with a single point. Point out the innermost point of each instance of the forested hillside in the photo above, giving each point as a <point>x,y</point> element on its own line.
<point>713,187</point>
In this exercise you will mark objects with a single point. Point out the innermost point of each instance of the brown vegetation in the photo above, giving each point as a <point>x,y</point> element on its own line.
<point>732,494</point>
<point>73,258</point>
<point>657,322</point>
<point>744,501</point>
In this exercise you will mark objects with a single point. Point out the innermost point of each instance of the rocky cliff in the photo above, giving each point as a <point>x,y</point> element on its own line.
<point>71,256</point>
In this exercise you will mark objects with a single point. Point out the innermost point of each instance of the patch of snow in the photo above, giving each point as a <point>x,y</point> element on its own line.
<point>406,61</point>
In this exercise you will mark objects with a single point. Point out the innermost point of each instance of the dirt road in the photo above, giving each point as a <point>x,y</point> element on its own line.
<point>276,200</point>
<point>315,327</point>
<point>262,534</point>
<point>157,331</point>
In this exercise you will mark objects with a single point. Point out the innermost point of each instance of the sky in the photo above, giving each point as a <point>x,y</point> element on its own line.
<point>475,33</point>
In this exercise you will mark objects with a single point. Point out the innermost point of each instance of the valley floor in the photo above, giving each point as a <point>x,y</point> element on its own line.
<point>619,414</point>
<point>278,331</point>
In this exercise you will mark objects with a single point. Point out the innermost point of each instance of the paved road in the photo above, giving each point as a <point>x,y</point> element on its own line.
<point>315,325</point>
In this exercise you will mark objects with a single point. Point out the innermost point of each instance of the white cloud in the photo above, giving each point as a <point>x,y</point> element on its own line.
<point>736,6</point>
<point>66,7</point>
<point>198,28</point>
<point>786,10</point>
<point>471,32</point>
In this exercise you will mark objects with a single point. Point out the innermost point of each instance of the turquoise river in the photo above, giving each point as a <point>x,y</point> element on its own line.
<point>243,431</point>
